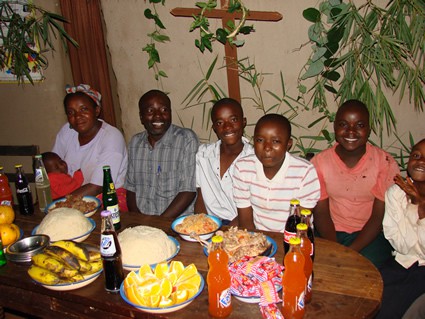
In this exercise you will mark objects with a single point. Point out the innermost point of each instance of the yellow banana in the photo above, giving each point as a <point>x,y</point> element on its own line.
<point>48,262</point>
<point>94,255</point>
<point>74,248</point>
<point>43,275</point>
<point>64,255</point>
<point>84,266</point>
<point>95,266</point>
<point>68,272</point>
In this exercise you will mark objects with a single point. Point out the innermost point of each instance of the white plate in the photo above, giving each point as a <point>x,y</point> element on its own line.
<point>75,285</point>
<point>203,236</point>
<point>253,299</point>
<point>52,205</point>
<point>78,239</point>
<point>136,267</point>
<point>165,309</point>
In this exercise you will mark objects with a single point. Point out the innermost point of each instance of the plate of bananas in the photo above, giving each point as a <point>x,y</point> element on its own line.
<point>66,265</point>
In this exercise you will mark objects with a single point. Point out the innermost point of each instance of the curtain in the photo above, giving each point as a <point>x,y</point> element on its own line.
<point>89,60</point>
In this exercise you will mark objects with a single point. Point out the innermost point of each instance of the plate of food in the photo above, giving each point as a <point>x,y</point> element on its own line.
<point>88,205</point>
<point>146,245</point>
<point>201,225</point>
<point>239,243</point>
<point>162,289</point>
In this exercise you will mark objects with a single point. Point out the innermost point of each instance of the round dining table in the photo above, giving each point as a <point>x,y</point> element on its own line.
<point>346,285</point>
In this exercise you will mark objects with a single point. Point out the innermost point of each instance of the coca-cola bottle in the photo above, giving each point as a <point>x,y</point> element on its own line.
<point>291,223</point>
<point>23,192</point>
<point>111,254</point>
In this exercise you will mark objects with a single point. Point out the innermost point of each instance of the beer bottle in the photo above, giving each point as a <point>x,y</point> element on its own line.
<point>305,247</point>
<point>110,251</point>
<point>110,198</point>
<point>291,223</point>
<point>3,260</point>
<point>306,219</point>
<point>42,183</point>
<point>293,282</point>
<point>218,280</point>
<point>6,197</point>
<point>23,192</point>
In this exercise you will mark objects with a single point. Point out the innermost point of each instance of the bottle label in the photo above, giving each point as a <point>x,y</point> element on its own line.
<point>300,301</point>
<point>225,298</point>
<point>310,283</point>
<point>23,190</point>
<point>6,202</point>
<point>107,245</point>
<point>115,211</point>
<point>312,249</point>
<point>39,176</point>
<point>287,235</point>
<point>111,186</point>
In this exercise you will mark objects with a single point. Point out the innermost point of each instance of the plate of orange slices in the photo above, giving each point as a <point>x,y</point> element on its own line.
<point>162,288</point>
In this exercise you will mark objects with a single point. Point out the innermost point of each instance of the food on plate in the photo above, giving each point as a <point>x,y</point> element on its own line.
<point>64,223</point>
<point>58,265</point>
<point>198,224</point>
<point>145,245</point>
<point>165,286</point>
<point>76,202</point>
<point>239,243</point>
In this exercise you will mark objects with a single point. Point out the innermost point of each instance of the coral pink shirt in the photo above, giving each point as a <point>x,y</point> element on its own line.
<point>352,191</point>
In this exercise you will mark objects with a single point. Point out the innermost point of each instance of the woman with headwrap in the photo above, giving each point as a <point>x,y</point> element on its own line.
<point>88,143</point>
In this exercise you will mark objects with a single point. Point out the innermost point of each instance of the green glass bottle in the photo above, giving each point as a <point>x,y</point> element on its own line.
<point>3,260</point>
<point>110,198</point>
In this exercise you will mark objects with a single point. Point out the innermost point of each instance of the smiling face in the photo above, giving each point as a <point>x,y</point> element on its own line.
<point>416,164</point>
<point>351,126</point>
<point>272,138</point>
<point>155,114</point>
<point>228,122</point>
<point>82,113</point>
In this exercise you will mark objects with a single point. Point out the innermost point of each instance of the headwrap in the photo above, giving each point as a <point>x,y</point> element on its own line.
<point>86,89</point>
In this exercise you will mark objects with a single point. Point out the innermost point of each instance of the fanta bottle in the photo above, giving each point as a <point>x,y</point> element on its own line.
<point>218,280</point>
<point>306,219</point>
<point>305,246</point>
<point>6,197</point>
<point>293,282</point>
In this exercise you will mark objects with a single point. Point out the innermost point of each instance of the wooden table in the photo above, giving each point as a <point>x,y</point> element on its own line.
<point>346,285</point>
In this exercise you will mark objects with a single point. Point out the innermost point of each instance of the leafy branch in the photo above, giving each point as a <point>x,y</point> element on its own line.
<point>25,39</point>
<point>157,36</point>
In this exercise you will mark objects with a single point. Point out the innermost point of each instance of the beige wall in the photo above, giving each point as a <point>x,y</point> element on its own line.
<point>33,114</point>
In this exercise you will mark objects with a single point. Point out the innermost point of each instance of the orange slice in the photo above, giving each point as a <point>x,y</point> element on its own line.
<point>176,267</point>
<point>166,288</point>
<point>131,279</point>
<point>179,296</point>
<point>161,270</point>
<point>194,280</point>
<point>188,272</point>
<point>165,302</point>
<point>145,270</point>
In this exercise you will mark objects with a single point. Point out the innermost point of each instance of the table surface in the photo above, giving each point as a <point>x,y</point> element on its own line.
<point>346,285</point>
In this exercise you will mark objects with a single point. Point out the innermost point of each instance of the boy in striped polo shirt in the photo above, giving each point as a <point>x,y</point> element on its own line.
<point>265,182</point>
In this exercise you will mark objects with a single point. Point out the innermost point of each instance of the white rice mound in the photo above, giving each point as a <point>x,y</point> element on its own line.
<point>145,245</point>
<point>64,223</point>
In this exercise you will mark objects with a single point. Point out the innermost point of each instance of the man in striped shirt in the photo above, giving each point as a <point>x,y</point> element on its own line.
<point>265,182</point>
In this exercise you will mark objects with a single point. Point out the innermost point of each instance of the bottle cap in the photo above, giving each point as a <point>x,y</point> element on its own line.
<point>38,156</point>
<point>105,213</point>
<point>217,239</point>
<point>106,167</point>
<point>302,226</point>
<point>18,165</point>
<point>294,201</point>
<point>305,212</point>
<point>1,167</point>
<point>294,241</point>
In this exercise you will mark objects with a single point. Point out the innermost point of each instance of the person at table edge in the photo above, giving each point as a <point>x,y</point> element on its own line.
<point>161,170</point>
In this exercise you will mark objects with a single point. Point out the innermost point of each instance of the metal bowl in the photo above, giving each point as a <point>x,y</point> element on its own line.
<point>24,249</point>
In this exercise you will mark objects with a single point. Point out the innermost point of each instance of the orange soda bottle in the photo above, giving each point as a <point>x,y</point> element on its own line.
<point>218,280</point>
<point>6,197</point>
<point>306,219</point>
<point>305,247</point>
<point>293,282</point>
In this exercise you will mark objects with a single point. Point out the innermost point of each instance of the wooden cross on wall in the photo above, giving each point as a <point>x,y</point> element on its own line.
<point>231,56</point>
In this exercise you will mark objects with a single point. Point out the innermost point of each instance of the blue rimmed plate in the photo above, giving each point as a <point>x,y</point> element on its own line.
<point>136,267</point>
<point>52,205</point>
<point>205,236</point>
<point>88,279</point>
<point>78,238</point>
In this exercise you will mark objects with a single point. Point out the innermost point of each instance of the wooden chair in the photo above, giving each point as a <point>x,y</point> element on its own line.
<point>19,151</point>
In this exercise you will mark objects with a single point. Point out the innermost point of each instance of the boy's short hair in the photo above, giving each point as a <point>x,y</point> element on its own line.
<point>278,119</point>
<point>226,101</point>
<point>353,102</point>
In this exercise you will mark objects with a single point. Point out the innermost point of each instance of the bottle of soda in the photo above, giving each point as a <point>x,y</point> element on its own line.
<point>6,197</point>
<point>291,223</point>
<point>218,280</point>
<point>3,260</point>
<point>42,183</point>
<point>293,282</point>
<point>110,198</point>
<point>23,192</point>
<point>111,254</point>
<point>306,219</point>
<point>305,247</point>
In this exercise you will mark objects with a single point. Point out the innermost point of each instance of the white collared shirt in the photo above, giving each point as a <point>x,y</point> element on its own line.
<point>217,192</point>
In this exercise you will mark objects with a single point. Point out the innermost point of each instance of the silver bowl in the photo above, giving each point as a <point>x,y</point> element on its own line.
<point>25,248</point>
